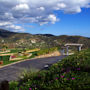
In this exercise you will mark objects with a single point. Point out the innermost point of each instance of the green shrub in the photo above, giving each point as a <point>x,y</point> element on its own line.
<point>46,51</point>
<point>13,86</point>
<point>4,58</point>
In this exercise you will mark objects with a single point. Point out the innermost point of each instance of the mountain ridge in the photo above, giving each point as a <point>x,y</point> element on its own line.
<point>40,40</point>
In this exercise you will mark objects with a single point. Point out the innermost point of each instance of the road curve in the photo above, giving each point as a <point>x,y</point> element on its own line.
<point>13,71</point>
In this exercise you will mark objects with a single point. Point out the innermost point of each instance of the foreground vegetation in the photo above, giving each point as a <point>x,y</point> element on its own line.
<point>72,73</point>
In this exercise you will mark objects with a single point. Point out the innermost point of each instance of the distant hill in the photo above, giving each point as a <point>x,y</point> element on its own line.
<point>13,39</point>
<point>5,33</point>
<point>48,35</point>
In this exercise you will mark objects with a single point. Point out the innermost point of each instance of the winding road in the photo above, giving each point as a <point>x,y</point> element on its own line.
<point>12,72</point>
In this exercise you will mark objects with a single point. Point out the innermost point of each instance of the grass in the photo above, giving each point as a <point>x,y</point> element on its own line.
<point>8,62</point>
<point>72,73</point>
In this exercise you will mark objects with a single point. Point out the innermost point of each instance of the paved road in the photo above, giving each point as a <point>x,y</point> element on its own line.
<point>13,71</point>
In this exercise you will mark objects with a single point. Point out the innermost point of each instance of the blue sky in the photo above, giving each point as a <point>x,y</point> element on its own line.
<point>58,17</point>
<point>69,24</point>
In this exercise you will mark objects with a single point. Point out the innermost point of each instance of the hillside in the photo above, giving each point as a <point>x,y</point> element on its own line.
<point>12,39</point>
<point>74,39</point>
<point>5,33</point>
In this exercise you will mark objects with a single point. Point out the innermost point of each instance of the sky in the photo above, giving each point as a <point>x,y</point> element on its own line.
<point>57,17</point>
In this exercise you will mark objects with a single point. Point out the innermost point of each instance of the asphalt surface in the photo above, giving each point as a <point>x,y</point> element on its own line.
<point>12,72</point>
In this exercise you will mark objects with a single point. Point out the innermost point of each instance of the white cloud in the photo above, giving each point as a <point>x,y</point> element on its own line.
<point>15,28</point>
<point>21,7</point>
<point>4,23</point>
<point>41,8</point>
<point>37,11</point>
<point>12,27</point>
<point>60,6</point>
<point>73,10</point>
<point>52,18</point>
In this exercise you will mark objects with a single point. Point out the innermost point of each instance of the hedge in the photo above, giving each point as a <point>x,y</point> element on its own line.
<point>4,58</point>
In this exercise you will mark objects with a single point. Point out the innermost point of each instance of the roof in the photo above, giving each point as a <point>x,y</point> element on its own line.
<point>73,44</point>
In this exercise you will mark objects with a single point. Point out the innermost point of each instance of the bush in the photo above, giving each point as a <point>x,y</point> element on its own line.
<point>46,51</point>
<point>4,58</point>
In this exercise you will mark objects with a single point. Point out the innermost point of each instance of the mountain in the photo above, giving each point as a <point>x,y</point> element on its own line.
<point>47,35</point>
<point>13,39</point>
<point>5,33</point>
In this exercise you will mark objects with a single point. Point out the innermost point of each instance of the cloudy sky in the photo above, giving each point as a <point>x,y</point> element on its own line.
<point>71,17</point>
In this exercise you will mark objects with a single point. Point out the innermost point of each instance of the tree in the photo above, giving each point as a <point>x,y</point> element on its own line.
<point>4,47</point>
